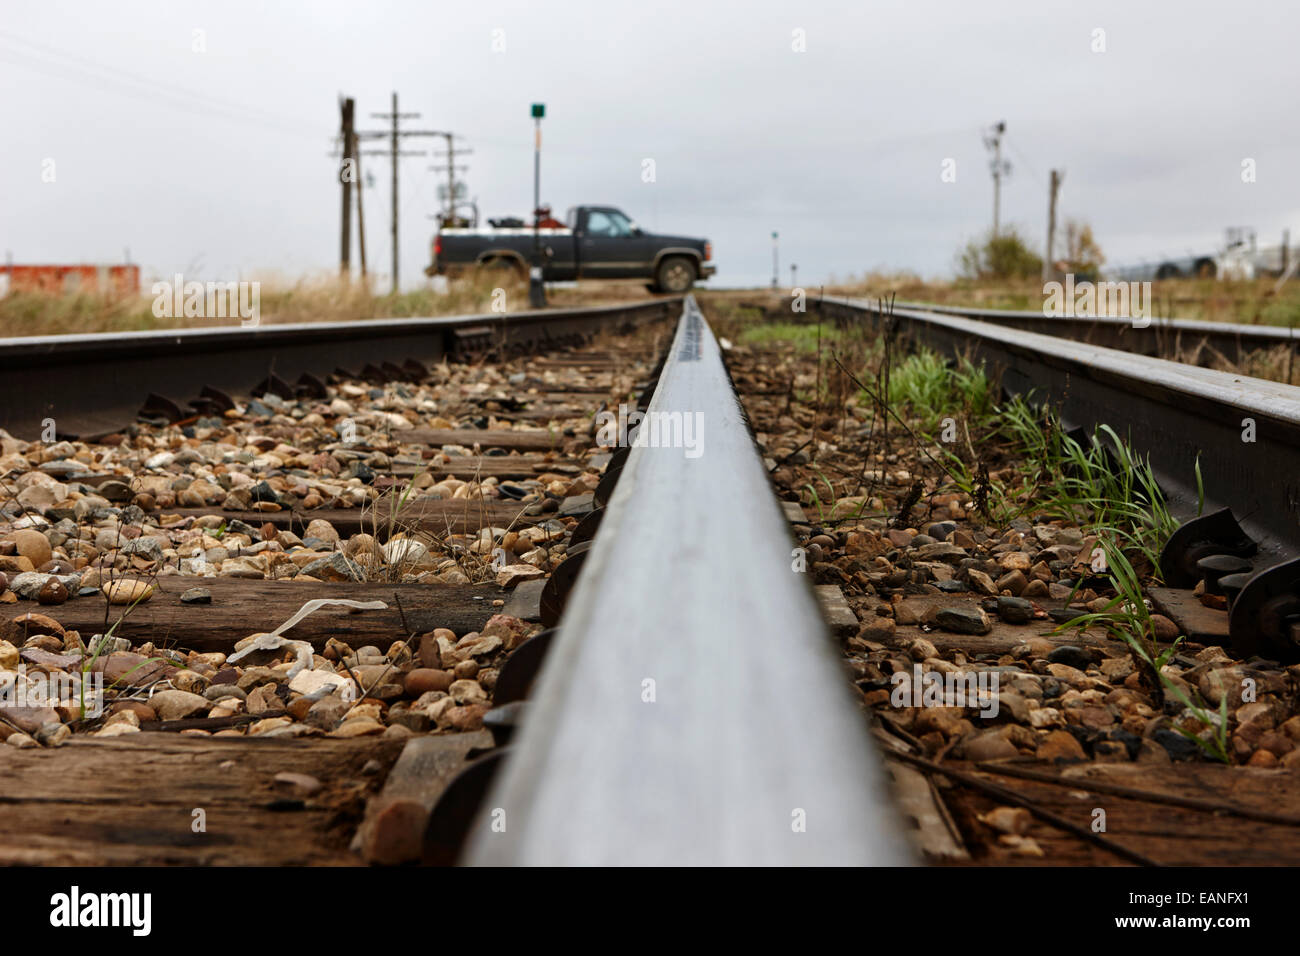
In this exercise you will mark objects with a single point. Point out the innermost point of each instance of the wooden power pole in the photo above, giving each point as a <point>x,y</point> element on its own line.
<point>1057,176</point>
<point>361,215</point>
<point>346,174</point>
<point>394,152</point>
<point>451,169</point>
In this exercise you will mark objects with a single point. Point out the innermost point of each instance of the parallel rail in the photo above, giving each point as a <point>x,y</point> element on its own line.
<point>95,384</point>
<point>690,709</point>
<point>1161,337</point>
<point>1173,412</point>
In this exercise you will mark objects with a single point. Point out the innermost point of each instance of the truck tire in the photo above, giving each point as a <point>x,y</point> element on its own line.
<point>676,274</point>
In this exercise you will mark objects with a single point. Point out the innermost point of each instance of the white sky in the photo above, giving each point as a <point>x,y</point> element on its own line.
<point>218,164</point>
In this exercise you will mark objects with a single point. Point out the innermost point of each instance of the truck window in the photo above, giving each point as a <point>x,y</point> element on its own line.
<point>608,223</point>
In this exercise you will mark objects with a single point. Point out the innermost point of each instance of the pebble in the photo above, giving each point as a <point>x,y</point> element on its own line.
<point>1072,656</point>
<point>196,596</point>
<point>177,704</point>
<point>990,745</point>
<point>1060,746</point>
<point>33,546</point>
<point>1015,820</point>
<point>1015,610</point>
<point>1165,630</point>
<point>424,679</point>
<point>963,619</point>
<point>1176,745</point>
<point>127,591</point>
<point>336,566</point>
<point>467,692</point>
<point>513,574</point>
<point>53,591</point>
<point>358,727</point>
<point>1013,581</point>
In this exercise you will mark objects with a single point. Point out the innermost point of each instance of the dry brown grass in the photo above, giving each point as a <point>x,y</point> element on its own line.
<point>308,300</point>
<point>1252,301</point>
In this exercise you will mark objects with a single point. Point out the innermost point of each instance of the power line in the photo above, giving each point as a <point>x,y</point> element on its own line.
<point>84,71</point>
<point>1033,170</point>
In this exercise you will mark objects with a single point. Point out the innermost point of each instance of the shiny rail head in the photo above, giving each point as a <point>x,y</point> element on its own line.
<point>1256,336</point>
<point>691,710</point>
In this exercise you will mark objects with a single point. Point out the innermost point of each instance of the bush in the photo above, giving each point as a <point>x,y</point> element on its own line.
<point>1004,256</point>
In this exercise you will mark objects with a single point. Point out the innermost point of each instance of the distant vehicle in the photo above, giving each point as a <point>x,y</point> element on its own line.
<point>593,242</point>
<point>1236,260</point>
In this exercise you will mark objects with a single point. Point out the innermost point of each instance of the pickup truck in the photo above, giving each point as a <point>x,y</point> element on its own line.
<point>595,242</point>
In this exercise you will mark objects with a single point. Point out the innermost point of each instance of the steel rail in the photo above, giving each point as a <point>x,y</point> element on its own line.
<point>95,384</point>
<point>690,710</point>
<point>1172,412</point>
<point>1161,337</point>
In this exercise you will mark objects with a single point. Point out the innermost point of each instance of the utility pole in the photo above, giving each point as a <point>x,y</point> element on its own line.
<point>346,174</point>
<point>776,272</point>
<point>394,136</point>
<point>1057,176</point>
<point>361,215</point>
<point>999,166</point>
<point>451,169</point>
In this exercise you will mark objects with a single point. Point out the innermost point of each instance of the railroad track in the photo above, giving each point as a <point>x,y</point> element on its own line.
<point>688,608</point>
<point>610,656</point>
<point>637,548</point>
<point>1186,340</point>
<point>448,464</point>
<point>94,385</point>
<point>1183,417</point>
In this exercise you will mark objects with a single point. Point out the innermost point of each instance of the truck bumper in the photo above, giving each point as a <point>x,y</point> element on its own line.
<point>707,269</point>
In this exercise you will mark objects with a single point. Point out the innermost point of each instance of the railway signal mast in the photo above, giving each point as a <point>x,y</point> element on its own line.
<point>536,289</point>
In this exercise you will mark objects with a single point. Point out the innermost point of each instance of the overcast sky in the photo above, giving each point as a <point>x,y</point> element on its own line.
<point>217,162</point>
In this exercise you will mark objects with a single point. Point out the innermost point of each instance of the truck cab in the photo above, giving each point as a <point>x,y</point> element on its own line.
<point>610,245</point>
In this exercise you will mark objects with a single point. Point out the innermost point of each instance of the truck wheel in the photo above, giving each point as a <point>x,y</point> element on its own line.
<point>676,274</point>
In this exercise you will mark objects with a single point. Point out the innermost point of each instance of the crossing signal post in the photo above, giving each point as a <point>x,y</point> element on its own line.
<point>536,288</point>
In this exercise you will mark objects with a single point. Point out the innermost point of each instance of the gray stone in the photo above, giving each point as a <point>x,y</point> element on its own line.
<point>196,596</point>
<point>336,566</point>
<point>1071,656</point>
<point>963,620</point>
<point>1015,610</point>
